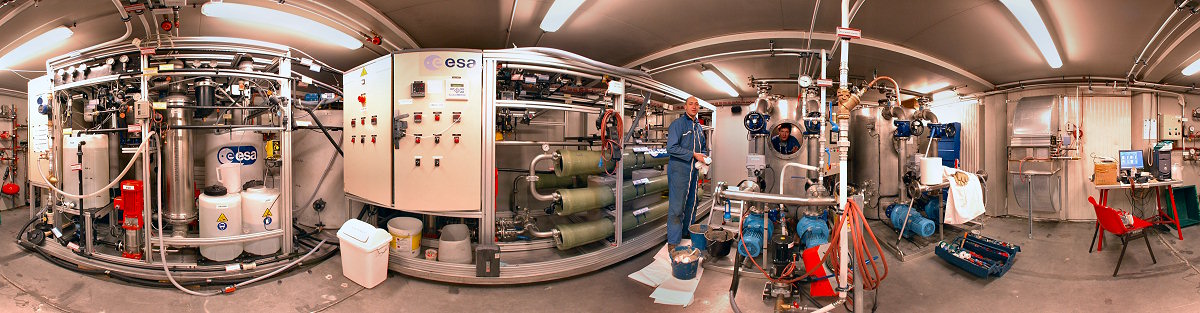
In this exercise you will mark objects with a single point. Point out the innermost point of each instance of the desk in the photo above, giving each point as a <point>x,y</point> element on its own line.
<point>1160,219</point>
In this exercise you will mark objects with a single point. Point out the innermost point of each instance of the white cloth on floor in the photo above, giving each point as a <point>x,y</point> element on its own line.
<point>670,290</point>
<point>965,202</point>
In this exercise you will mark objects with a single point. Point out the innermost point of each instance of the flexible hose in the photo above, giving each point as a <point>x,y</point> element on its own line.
<point>608,145</point>
<point>104,189</point>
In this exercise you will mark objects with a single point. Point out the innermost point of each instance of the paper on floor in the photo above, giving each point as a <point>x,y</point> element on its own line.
<point>670,291</point>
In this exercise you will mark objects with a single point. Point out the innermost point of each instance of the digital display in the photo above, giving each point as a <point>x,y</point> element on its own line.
<point>1131,159</point>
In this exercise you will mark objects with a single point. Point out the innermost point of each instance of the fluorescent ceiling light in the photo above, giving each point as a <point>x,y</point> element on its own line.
<point>35,46</point>
<point>716,81</point>
<point>281,20</point>
<point>946,94</point>
<point>1192,68</point>
<point>932,87</point>
<point>1032,21</point>
<point>558,14</point>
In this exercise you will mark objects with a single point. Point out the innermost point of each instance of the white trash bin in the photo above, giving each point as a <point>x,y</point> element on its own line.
<point>364,252</point>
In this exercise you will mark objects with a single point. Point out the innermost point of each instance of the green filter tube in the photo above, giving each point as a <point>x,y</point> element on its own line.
<point>546,181</point>
<point>577,200</point>
<point>578,234</point>
<point>588,162</point>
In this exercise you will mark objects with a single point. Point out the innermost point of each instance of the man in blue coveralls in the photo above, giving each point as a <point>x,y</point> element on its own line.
<point>686,145</point>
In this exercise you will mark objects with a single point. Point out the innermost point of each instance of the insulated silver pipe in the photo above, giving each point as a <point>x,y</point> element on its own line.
<point>773,199</point>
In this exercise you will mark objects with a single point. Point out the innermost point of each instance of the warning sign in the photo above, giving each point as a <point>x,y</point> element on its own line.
<point>364,72</point>
<point>267,213</point>
<point>222,219</point>
<point>222,226</point>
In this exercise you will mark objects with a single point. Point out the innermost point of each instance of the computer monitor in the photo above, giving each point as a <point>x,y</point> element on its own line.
<point>1131,159</point>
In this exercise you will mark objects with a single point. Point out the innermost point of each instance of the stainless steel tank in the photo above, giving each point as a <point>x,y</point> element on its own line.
<point>874,160</point>
<point>178,163</point>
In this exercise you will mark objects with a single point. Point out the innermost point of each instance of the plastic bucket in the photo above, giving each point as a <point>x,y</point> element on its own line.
<point>406,236</point>
<point>685,261</point>
<point>454,245</point>
<point>719,242</point>
<point>697,236</point>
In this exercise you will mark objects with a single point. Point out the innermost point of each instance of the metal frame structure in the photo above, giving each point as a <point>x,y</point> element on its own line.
<point>222,50</point>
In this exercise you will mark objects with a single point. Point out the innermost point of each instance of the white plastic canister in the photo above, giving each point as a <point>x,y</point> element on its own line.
<point>260,209</point>
<point>220,216</point>
<point>243,147</point>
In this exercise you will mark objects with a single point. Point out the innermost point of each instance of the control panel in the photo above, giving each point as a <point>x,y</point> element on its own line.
<point>40,141</point>
<point>1170,128</point>
<point>367,130</point>
<point>439,135</point>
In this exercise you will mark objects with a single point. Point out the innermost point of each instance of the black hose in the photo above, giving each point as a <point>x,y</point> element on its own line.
<point>733,286</point>
<point>323,129</point>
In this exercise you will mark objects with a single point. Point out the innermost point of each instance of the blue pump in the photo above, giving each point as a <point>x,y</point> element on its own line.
<point>917,224</point>
<point>813,231</point>
<point>752,236</point>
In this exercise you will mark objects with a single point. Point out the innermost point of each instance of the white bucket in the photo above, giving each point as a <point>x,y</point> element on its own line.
<point>931,171</point>
<point>406,236</point>
<point>454,246</point>
<point>230,176</point>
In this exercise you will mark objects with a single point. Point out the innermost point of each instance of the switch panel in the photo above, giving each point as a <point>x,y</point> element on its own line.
<point>1170,127</point>
<point>40,140</point>
<point>369,171</point>
<point>449,119</point>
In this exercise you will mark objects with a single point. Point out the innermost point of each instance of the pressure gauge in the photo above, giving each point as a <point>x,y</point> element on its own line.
<point>124,58</point>
<point>109,61</point>
<point>805,81</point>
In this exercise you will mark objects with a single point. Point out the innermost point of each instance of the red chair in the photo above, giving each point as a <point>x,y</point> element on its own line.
<point>1111,222</point>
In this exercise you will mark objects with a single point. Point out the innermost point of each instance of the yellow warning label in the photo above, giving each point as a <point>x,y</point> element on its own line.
<point>364,72</point>
<point>267,213</point>
<point>221,219</point>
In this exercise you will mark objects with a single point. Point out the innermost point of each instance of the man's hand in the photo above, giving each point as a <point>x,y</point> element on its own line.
<point>699,156</point>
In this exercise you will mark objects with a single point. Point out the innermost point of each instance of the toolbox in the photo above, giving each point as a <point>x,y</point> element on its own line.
<point>979,255</point>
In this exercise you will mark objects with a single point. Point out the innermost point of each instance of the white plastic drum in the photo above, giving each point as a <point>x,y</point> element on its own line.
<point>244,147</point>
<point>260,209</point>
<point>220,216</point>
<point>315,178</point>
<point>95,167</point>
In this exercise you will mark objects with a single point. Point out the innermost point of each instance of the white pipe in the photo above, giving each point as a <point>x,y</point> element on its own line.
<point>824,119</point>
<point>782,171</point>
<point>843,147</point>
<point>128,31</point>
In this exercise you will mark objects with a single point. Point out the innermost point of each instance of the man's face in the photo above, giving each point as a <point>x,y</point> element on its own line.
<point>784,132</point>
<point>692,107</point>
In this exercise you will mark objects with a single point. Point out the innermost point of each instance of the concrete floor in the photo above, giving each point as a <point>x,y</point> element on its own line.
<point>1055,273</point>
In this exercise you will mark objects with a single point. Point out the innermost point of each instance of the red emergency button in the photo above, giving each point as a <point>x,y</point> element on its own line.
<point>437,117</point>
<point>417,117</point>
<point>362,98</point>
<point>456,139</point>
<point>418,138</point>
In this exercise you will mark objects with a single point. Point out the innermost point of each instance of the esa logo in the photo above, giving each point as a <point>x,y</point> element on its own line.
<point>433,61</point>
<point>246,155</point>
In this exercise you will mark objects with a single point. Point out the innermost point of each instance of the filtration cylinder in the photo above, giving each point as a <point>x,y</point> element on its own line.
<point>181,191</point>
<point>220,216</point>
<point>260,207</point>
<point>243,147</point>
<point>94,167</point>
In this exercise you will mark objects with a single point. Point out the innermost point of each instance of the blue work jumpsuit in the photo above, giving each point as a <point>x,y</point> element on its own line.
<point>684,137</point>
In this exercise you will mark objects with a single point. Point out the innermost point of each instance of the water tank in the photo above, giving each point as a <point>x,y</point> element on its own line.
<point>220,215</point>
<point>260,210</point>
<point>94,167</point>
<point>245,147</point>
<point>315,177</point>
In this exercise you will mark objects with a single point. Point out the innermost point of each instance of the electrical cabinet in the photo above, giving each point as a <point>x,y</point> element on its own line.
<point>440,129</point>
<point>40,103</point>
<point>367,130</point>
<point>1170,128</point>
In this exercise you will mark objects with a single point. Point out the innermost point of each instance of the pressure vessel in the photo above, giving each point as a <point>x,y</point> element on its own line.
<point>220,216</point>
<point>260,209</point>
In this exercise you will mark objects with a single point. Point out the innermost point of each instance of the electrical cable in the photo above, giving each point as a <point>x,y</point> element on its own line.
<point>132,160</point>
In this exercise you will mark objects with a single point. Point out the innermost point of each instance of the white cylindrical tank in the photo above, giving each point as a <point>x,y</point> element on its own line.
<point>245,147</point>
<point>260,207</point>
<point>94,167</point>
<point>315,178</point>
<point>220,215</point>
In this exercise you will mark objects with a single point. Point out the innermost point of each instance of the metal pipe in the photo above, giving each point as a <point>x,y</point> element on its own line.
<point>181,205</point>
<point>512,17</point>
<point>1138,60</point>
<point>843,155</point>
<point>197,241</point>
<point>539,143</point>
<point>532,178</point>
<point>722,195</point>
<point>782,171</point>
